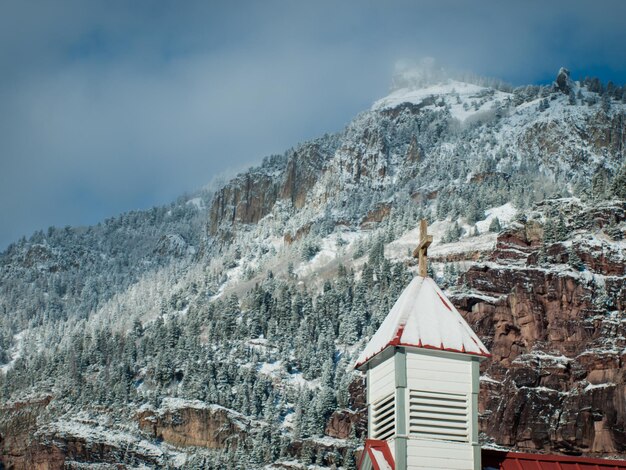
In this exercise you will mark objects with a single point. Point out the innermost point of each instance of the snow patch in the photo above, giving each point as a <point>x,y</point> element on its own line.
<point>95,433</point>
<point>464,100</point>
<point>597,386</point>
<point>15,352</point>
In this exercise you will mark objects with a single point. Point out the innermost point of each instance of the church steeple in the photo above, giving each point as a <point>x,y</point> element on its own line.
<point>422,368</point>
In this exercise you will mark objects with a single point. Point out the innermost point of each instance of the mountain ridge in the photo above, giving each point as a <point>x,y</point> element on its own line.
<point>259,298</point>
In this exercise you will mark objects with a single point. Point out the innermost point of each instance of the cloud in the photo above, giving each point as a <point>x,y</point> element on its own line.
<point>111,106</point>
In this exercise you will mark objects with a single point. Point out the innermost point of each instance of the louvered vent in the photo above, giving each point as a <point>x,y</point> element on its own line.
<point>441,416</point>
<point>383,418</point>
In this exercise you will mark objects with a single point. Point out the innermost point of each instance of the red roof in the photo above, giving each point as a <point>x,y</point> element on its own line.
<point>378,453</point>
<point>518,461</point>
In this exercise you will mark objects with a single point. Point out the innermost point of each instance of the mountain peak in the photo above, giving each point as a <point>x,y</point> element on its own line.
<point>563,81</point>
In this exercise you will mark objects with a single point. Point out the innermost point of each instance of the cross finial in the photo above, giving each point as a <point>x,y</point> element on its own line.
<point>421,252</point>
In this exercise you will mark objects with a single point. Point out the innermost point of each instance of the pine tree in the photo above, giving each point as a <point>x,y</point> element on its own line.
<point>599,185</point>
<point>574,260</point>
<point>542,257</point>
<point>618,185</point>
<point>560,232</point>
<point>453,234</point>
<point>495,226</point>
<point>548,231</point>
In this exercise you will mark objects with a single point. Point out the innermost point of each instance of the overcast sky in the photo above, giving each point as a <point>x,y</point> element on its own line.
<point>109,106</point>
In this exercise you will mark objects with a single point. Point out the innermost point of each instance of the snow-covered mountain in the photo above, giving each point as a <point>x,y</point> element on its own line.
<point>221,331</point>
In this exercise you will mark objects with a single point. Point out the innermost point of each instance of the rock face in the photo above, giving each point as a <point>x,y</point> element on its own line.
<point>29,443</point>
<point>195,424</point>
<point>563,81</point>
<point>352,421</point>
<point>557,378</point>
<point>18,451</point>
<point>252,195</point>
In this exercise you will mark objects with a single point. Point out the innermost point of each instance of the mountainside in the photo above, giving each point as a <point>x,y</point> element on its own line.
<point>221,331</point>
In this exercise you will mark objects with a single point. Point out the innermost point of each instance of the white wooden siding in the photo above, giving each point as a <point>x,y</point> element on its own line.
<point>432,373</point>
<point>382,380</point>
<point>425,454</point>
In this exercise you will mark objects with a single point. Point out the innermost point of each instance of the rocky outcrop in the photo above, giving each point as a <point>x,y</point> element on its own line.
<point>29,442</point>
<point>186,423</point>
<point>252,195</point>
<point>300,233</point>
<point>376,215</point>
<point>563,81</point>
<point>18,449</point>
<point>346,423</point>
<point>352,421</point>
<point>557,377</point>
<point>245,200</point>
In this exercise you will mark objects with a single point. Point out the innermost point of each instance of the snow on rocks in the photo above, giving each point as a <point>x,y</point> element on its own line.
<point>295,379</point>
<point>95,433</point>
<point>464,100</point>
<point>484,242</point>
<point>590,387</point>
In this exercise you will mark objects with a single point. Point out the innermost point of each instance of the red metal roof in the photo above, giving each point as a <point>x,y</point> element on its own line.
<point>376,450</point>
<point>378,453</point>
<point>519,461</point>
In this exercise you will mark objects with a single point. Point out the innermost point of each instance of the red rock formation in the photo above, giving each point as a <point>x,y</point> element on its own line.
<point>212,427</point>
<point>556,381</point>
<point>251,196</point>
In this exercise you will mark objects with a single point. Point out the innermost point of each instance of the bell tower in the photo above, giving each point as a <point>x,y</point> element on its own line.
<point>422,368</point>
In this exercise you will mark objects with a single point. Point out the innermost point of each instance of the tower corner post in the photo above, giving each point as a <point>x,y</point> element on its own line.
<point>476,449</point>
<point>401,410</point>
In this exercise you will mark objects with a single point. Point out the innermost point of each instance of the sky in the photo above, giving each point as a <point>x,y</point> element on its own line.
<point>111,106</point>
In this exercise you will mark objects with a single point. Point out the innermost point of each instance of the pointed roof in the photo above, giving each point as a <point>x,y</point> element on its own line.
<point>424,317</point>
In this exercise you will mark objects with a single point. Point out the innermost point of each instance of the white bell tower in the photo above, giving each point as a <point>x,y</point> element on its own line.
<point>422,369</point>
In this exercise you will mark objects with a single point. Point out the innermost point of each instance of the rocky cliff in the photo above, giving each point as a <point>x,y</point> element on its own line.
<point>556,381</point>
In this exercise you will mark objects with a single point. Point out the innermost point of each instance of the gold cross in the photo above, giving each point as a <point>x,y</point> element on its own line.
<point>421,252</point>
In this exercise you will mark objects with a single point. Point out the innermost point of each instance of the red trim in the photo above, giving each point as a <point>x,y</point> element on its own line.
<point>523,461</point>
<point>396,339</point>
<point>440,348</point>
<point>396,342</point>
<point>380,446</point>
<point>444,302</point>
